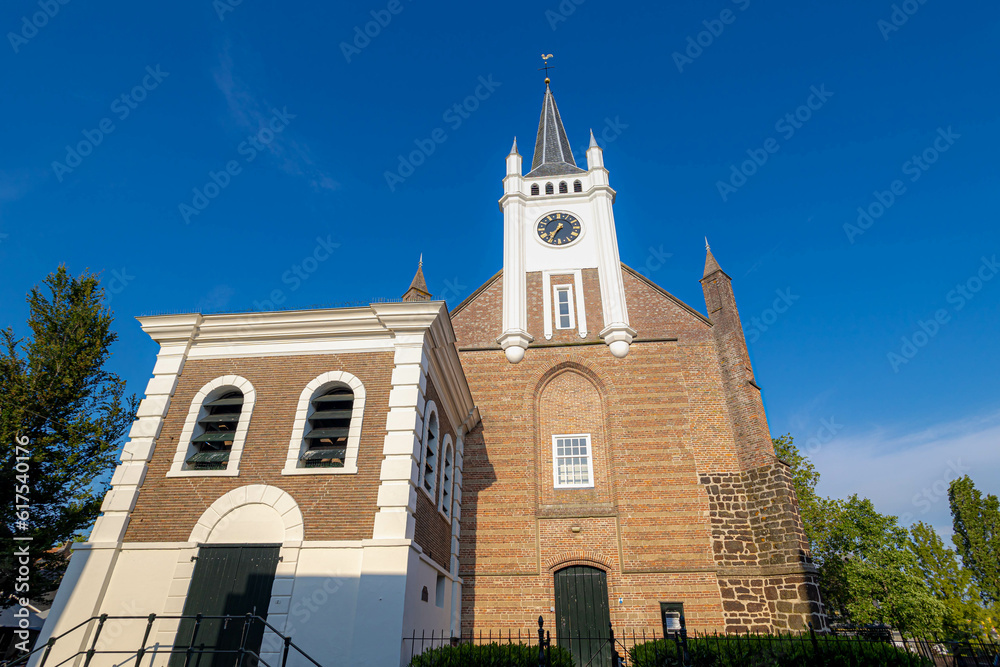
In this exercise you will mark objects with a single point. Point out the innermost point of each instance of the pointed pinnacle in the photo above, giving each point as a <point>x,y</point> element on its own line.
<point>593,141</point>
<point>513,149</point>
<point>711,265</point>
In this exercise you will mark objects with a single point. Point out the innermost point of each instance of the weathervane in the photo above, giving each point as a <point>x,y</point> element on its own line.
<point>545,59</point>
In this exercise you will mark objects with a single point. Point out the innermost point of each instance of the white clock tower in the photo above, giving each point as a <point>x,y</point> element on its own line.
<point>559,220</point>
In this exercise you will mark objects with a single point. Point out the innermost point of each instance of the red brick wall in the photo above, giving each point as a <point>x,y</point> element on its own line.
<point>334,507</point>
<point>661,423</point>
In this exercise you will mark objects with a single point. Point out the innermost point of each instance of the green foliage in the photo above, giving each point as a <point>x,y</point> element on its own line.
<point>977,536</point>
<point>870,570</point>
<point>775,651</point>
<point>57,398</point>
<point>490,655</point>
<point>868,575</point>
<point>949,582</point>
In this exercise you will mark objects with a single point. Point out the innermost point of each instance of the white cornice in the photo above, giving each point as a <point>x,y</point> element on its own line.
<point>376,321</point>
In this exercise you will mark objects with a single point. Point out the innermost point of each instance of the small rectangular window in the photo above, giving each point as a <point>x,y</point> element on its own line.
<point>564,307</point>
<point>572,461</point>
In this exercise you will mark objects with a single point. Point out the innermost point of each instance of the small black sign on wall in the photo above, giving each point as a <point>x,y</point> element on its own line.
<point>672,615</point>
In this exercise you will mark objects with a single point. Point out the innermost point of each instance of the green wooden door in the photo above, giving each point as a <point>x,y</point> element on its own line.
<point>583,618</point>
<point>228,580</point>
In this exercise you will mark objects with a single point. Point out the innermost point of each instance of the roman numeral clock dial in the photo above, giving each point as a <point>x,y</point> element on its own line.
<point>559,229</point>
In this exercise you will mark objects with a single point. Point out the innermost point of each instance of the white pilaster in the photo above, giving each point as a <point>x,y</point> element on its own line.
<point>397,494</point>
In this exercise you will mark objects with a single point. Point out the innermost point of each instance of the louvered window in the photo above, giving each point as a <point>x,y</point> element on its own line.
<point>447,466</point>
<point>329,424</point>
<point>430,465</point>
<point>549,189</point>
<point>563,189</point>
<point>217,430</point>
<point>577,186</point>
<point>534,188</point>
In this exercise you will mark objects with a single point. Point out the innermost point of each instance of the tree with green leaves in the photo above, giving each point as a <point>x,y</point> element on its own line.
<point>949,582</point>
<point>977,536</point>
<point>61,418</point>
<point>868,575</point>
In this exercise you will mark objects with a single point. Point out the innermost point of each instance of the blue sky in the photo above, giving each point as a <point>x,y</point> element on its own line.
<point>893,109</point>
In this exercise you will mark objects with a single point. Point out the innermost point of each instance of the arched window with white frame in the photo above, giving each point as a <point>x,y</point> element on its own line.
<point>212,439</point>
<point>447,476</point>
<point>429,455</point>
<point>326,434</point>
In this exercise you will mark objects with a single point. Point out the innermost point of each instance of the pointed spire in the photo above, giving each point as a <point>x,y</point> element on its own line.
<point>513,149</point>
<point>418,286</point>
<point>553,154</point>
<point>593,141</point>
<point>711,266</point>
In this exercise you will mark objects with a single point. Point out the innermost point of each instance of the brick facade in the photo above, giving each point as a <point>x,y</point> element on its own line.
<point>335,507</point>
<point>688,505</point>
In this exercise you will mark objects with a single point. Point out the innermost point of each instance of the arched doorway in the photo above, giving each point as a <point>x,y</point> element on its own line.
<point>583,618</point>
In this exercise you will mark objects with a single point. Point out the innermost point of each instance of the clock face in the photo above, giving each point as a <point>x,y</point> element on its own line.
<point>559,229</point>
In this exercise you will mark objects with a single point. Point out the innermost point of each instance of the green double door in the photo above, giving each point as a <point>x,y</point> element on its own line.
<point>583,619</point>
<point>228,580</point>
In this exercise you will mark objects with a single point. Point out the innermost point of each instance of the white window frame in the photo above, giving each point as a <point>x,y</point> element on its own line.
<point>186,449</point>
<point>568,290</point>
<point>298,445</point>
<point>430,409</point>
<point>556,457</point>
<point>447,450</point>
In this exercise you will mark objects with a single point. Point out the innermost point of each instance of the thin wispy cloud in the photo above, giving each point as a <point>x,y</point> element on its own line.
<point>17,183</point>
<point>250,111</point>
<point>906,473</point>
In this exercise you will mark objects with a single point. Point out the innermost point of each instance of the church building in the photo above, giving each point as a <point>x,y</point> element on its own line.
<point>571,442</point>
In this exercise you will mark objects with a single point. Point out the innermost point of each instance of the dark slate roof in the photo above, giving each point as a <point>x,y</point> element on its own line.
<point>553,155</point>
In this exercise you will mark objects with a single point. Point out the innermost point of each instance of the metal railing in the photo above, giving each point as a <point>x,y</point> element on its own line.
<point>243,656</point>
<point>648,648</point>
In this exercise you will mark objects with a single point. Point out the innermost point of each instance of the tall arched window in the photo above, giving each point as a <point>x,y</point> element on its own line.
<point>326,433</point>
<point>563,188</point>
<point>577,186</point>
<point>429,460</point>
<point>447,476</point>
<point>329,424</point>
<point>549,189</point>
<point>216,431</point>
<point>534,188</point>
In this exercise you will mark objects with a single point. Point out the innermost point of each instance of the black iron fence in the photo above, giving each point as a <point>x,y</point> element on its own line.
<point>647,648</point>
<point>224,646</point>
